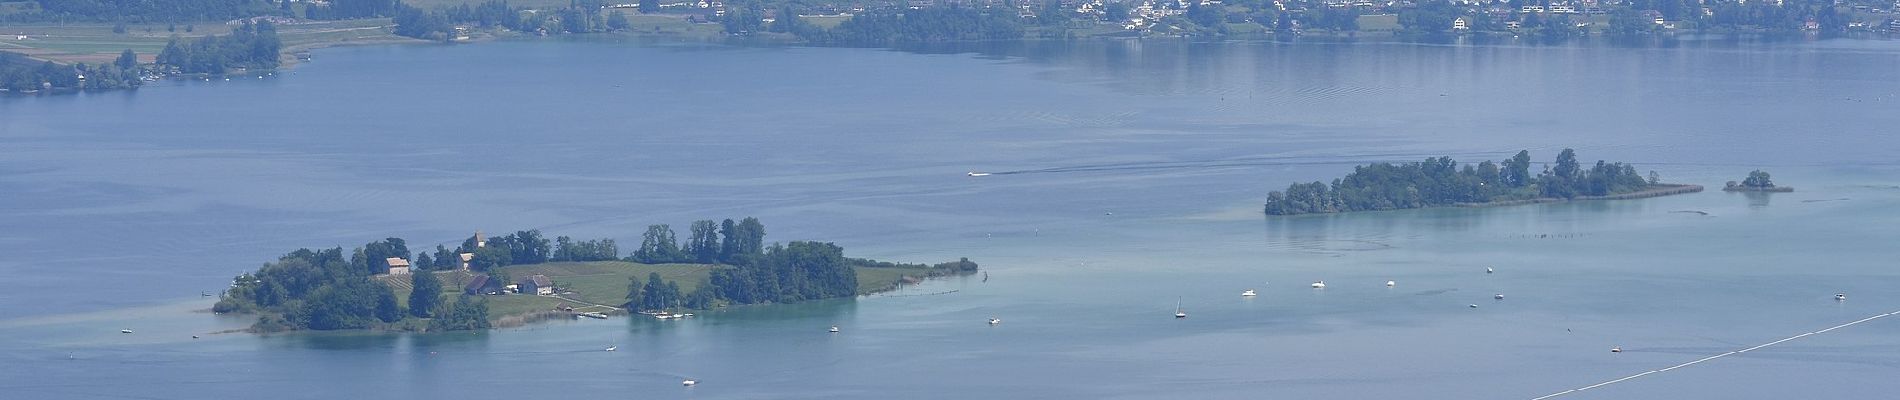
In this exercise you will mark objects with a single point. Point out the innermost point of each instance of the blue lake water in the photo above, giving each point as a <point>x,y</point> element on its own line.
<point>1128,175</point>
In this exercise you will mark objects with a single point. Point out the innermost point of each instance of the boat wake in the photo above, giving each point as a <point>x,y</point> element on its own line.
<point>1713,357</point>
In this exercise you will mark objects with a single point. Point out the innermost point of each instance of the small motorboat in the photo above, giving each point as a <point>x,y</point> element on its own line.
<point>1474,306</point>
<point>1840,296</point>
<point>612,348</point>
<point>1499,296</point>
<point>125,331</point>
<point>194,336</point>
<point>1489,270</point>
<point>978,174</point>
<point>994,321</point>
<point>689,382</point>
<point>1248,293</point>
<point>1391,283</point>
<point>834,329</point>
<point>1618,349</point>
<point>1319,284</point>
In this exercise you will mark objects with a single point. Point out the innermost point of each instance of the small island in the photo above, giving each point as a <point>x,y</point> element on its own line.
<point>1757,181</point>
<point>1439,182</point>
<point>524,277</point>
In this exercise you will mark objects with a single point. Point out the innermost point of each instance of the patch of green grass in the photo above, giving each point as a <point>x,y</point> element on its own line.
<point>1379,22</point>
<point>873,280</point>
<point>826,22</point>
<point>605,282</point>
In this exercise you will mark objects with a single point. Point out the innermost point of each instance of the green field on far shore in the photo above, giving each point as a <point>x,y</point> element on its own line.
<point>95,42</point>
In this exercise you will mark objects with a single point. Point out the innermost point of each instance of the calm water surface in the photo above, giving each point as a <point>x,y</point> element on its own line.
<point>1128,174</point>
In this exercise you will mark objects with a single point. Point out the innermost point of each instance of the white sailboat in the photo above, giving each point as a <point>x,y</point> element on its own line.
<point>834,329</point>
<point>1319,284</point>
<point>1177,309</point>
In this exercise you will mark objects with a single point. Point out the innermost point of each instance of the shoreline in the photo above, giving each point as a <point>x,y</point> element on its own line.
<point>1662,189</point>
<point>1659,190</point>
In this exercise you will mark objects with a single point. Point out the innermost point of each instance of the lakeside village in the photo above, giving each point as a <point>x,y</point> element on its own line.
<point>50,63</point>
<point>1468,16</point>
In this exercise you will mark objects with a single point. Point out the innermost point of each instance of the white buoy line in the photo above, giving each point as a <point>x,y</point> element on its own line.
<point>1698,361</point>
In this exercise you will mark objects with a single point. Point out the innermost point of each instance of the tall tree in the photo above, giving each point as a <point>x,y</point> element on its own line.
<point>658,246</point>
<point>1567,167</point>
<point>636,297</point>
<point>1517,170</point>
<point>427,294</point>
<point>704,243</point>
<point>729,243</point>
<point>386,308</point>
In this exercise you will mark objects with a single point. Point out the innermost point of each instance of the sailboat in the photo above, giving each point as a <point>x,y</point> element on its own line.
<point>1177,309</point>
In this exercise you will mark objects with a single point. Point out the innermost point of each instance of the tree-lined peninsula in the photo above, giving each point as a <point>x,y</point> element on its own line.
<point>520,277</point>
<point>1439,181</point>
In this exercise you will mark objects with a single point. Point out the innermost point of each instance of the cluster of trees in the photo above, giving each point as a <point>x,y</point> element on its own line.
<point>521,247</point>
<point>250,46</point>
<point>787,273</point>
<point>1440,181</point>
<point>567,249</point>
<point>21,74</point>
<point>1757,179</point>
<point>320,290</point>
<point>140,11</point>
<point>660,294</point>
<point>726,242</point>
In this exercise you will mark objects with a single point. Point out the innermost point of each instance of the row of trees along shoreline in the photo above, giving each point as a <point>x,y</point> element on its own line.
<point>333,289</point>
<point>1439,181</point>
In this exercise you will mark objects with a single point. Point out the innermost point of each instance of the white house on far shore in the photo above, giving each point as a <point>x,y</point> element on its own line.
<point>398,266</point>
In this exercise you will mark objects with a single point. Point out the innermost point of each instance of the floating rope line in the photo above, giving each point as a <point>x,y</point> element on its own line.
<point>1698,361</point>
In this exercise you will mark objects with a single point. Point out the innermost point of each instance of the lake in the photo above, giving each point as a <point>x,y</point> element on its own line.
<point>1128,176</point>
